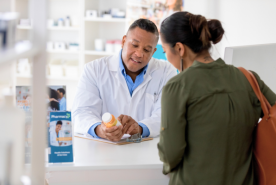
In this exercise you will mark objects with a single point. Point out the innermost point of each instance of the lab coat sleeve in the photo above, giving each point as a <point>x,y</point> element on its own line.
<point>87,105</point>
<point>154,121</point>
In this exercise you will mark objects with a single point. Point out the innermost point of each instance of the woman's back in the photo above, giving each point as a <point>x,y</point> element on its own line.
<point>217,113</point>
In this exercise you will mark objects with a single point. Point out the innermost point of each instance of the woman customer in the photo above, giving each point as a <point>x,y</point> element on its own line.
<point>209,110</point>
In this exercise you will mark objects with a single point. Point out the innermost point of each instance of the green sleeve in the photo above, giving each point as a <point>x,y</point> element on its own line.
<point>172,135</point>
<point>267,92</point>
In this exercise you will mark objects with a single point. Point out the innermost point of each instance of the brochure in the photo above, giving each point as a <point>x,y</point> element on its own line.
<point>60,137</point>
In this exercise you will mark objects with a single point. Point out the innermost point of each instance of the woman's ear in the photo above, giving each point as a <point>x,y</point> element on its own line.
<point>179,48</point>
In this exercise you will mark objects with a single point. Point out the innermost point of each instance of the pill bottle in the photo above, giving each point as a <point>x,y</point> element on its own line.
<point>109,120</point>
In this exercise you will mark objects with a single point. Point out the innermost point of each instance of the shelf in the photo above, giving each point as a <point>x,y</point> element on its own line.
<point>63,52</point>
<point>100,19</point>
<point>133,4</point>
<point>51,28</point>
<point>103,53</point>
<point>20,50</point>
<point>64,28</point>
<point>24,27</point>
<point>49,77</point>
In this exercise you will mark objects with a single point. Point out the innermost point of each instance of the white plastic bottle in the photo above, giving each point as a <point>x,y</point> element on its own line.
<point>109,120</point>
<point>12,121</point>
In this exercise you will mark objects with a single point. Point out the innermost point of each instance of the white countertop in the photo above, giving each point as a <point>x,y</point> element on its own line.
<point>93,155</point>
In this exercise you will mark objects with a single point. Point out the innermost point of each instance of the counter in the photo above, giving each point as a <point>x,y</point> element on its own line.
<point>106,164</point>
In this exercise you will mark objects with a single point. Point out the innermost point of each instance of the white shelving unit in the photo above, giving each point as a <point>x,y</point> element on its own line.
<point>84,32</point>
<point>51,28</point>
<point>98,53</point>
<point>99,19</point>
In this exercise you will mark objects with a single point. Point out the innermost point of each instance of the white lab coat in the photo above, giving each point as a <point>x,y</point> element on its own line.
<point>53,137</point>
<point>102,88</point>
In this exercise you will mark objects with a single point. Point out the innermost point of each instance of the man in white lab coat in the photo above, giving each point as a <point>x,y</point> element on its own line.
<point>128,85</point>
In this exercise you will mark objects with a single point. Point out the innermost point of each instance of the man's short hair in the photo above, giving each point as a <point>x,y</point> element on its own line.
<point>59,123</point>
<point>146,25</point>
<point>61,90</point>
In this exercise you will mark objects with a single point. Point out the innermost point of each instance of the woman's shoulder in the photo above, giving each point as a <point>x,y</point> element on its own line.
<point>181,78</point>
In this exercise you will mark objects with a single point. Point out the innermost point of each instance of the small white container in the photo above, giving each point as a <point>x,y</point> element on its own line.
<point>60,46</point>
<point>109,46</point>
<point>25,22</point>
<point>98,44</point>
<point>91,13</point>
<point>60,22</point>
<point>107,16</point>
<point>71,69</point>
<point>56,69</point>
<point>67,22</point>
<point>50,22</point>
<point>117,45</point>
<point>72,46</point>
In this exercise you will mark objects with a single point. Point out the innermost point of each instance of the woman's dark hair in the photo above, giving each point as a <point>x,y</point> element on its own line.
<point>191,30</point>
<point>53,94</point>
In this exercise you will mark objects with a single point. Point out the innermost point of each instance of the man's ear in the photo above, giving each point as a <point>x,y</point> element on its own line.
<point>123,41</point>
<point>155,49</point>
<point>179,48</point>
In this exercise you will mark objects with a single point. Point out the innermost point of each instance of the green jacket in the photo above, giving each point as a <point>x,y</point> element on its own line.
<point>209,112</point>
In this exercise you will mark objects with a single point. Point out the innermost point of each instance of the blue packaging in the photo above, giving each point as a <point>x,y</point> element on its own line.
<point>60,137</point>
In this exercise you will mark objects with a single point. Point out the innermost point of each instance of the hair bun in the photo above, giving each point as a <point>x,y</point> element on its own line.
<point>199,24</point>
<point>216,30</point>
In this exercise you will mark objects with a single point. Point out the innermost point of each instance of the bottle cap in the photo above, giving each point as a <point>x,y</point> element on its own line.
<point>106,117</point>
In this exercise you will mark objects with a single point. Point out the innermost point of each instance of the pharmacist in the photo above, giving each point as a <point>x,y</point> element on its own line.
<point>128,85</point>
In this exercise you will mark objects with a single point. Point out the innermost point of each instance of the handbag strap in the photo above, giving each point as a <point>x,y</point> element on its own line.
<point>255,86</point>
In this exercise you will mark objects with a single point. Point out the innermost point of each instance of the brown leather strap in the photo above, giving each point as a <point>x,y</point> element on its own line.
<point>255,86</point>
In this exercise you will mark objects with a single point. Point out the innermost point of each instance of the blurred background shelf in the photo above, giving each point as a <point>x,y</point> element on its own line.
<point>24,27</point>
<point>20,50</point>
<point>100,19</point>
<point>64,28</point>
<point>63,78</point>
<point>51,28</point>
<point>63,52</point>
<point>99,53</point>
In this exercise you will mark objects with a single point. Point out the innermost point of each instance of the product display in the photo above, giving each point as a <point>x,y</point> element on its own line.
<point>60,137</point>
<point>63,22</point>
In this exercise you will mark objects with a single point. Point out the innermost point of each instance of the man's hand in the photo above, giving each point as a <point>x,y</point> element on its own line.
<point>114,133</point>
<point>130,126</point>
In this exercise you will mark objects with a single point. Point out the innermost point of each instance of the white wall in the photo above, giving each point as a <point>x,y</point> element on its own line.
<point>246,22</point>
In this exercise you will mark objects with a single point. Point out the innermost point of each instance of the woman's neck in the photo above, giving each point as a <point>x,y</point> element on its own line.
<point>203,57</point>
